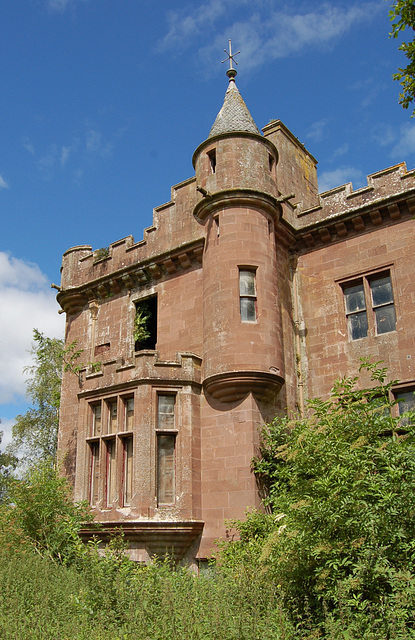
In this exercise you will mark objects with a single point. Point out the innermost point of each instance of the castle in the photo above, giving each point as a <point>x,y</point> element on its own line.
<point>250,293</point>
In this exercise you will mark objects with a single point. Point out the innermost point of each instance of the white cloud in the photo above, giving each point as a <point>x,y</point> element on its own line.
<point>27,303</point>
<point>95,145</point>
<point>330,179</point>
<point>316,130</point>
<point>59,6</point>
<point>28,146</point>
<point>3,183</point>
<point>263,31</point>
<point>405,142</point>
<point>6,426</point>
<point>341,151</point>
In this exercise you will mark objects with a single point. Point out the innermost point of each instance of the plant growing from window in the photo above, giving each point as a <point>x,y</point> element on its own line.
<point>141,323</point>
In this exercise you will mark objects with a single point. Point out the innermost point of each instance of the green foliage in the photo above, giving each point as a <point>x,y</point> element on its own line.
<point>8,463</point>
<point>100,254</point>
<point>342,491</point>
<point>35,433</point>
<point>402,16</point>
<point>141,327</point>
<point>42,516</point>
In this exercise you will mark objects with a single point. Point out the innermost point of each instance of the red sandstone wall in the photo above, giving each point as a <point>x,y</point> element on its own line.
<point>330,353</point>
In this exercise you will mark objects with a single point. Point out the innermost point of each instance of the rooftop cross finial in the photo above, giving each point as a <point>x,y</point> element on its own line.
<point>231,72</point>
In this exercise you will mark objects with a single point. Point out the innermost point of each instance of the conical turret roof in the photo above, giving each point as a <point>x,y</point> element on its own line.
<point>234,115</point>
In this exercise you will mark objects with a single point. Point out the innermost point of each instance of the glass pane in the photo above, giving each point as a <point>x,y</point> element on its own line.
<point>129,414</point>
<point>96,412</point>
<point>111,473</point>
<point>381,291</point>
<point>248,309</point>
<point>112,417</point>
<point>165,418</point>
<point>385,319</point>
<point>247,283</point>
<point>358,325</point>
<point>94,472</point>
<point>355,298</point>
<point>165,469</point>
<point>128,470</point>
<point>406,401</point>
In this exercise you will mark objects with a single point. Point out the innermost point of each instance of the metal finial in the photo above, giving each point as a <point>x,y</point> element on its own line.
<point>231,72</point>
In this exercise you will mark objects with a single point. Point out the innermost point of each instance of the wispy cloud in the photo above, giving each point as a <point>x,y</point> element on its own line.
<point>405,142</point>
<point>330,179</point>
<point>27,303</point>
<point>3,183</point>
<point>265,29</point>
<point>94,144</point>
<point>316,130</point>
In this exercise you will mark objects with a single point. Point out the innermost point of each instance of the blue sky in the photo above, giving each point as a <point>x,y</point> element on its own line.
<point>104,101</point>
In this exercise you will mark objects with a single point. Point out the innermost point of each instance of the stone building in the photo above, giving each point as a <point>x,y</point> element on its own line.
<point>249,293</point>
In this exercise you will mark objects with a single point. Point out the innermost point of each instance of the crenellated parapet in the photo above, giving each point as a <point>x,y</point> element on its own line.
<point>342,212</point>
<point>170,230</point>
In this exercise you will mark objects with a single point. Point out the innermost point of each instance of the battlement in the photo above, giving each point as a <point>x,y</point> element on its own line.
<point>173,226</point>
<point>382,185</point>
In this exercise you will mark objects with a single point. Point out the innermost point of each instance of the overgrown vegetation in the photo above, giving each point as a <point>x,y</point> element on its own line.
<point>333,559</point>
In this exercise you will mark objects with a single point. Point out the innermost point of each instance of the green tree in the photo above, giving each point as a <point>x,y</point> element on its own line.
<point>402,16</point>
<point>341,487</point>
<point>35,433</point>
<point>42,516</point>
<point>8,463</point>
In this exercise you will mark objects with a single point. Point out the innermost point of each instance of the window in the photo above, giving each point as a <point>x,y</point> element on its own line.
<point>111,477</point>
<point>406,402</point>
<point>369,305</point>
<point>128,414</point>
<point>111,451</point>
<point>96,419</point>
<point>112,417</point>
<point>94,473</point>
<point>127,475</point>
<point>165,411</point>
<point>247,295</point>
<point>165,468</point>
<point>145,324</point>
<point>212,158</point>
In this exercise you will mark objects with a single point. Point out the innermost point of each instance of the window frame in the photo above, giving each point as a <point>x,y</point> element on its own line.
<point>365,281</point>
<point>246,296</point>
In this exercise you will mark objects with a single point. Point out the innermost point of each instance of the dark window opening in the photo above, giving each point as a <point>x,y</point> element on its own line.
<point>165,469</point>
<point>145,324</point>
<point>271,162</point>
<point>212,157</point>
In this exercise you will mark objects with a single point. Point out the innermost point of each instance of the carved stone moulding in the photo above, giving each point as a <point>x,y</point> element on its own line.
<point>235,385</point>
<point>158,537</point>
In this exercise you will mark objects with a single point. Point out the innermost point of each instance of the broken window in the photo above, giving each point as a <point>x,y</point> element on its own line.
<point>145,324</point>
<point>369,305</point>
<point>247,295</point>
<point>165,468</point>
<point>212,159</point>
